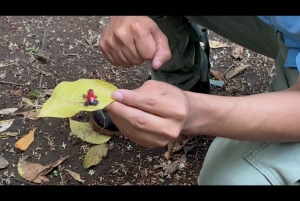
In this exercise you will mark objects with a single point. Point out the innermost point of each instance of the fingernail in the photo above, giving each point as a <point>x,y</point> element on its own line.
<point>158,64</point>
<point>118,96</point>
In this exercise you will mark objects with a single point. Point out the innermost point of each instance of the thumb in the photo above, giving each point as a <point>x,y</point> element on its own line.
<point>163,53</point>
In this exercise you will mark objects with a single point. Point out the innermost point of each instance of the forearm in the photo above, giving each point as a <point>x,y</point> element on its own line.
<point>263,117</point>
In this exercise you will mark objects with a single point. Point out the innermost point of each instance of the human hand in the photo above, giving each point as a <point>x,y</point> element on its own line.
<point>151,115</point>
<point>131,40</point>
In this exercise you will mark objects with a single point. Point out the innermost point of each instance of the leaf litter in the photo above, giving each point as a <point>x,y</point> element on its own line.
<point>236,71</point>
<point>35,172</point>
<point>95,155</point>
<point>3,163</point>
<point>75,176</point>
<point>5,124</point>
<point>8,111</point>
<point>23,143</point>
<point>84,131</point>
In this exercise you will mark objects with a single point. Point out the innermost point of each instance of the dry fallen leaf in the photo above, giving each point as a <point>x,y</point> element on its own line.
<point>32,114</point>
<point>172,167</point>
<point>95,155</point>
<point>5,124</point>
<point>177,145</point>
<point>28,101</point>
<point>8,134</point>
<point>3,162</point>
<point>23,143</point>
<point>84,131</point>
<point>8,111</point>
<point>217,75</point>
<point>75,176</point>
<point>236,71</point>
<point>4,65</point>
<point>238,52</point>
<point>215,44</point>
<point>35,172</point>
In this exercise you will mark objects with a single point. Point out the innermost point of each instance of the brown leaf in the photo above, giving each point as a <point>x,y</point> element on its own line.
<point>75,176</point>
<point>217,44</point>
<point>3,162</point>
<point>32,114</point>
<point>217,75</point>
<point>172,167</point>
<point>23,143</point>
<point>238,52</point>
<point>236,71</point>
<point>35,172</point>
<point>177,145</point>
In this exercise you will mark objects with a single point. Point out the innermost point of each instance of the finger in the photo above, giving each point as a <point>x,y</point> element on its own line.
<point>145,45</point>
<point>150,128</point>
<point>163,53</point>
<point>152,103</point>
<point>128,47</point>
<point>104,48</point>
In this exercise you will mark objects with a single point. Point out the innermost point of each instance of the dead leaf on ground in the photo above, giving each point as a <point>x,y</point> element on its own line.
<point>32,114</point>
<point>84,131</point>
<point>4,65</point>
<point>35,172</point>
<point>75,176</point>
<point>5,124</point>
<point>95,155</point>
<point>215,44</point>
<point>126,184</point>
<point>238,53</point>
<point>28,101</point>
<point>3,162</point>
<point>172,167</point>
<point>164,164</point>
<point>23,143</point>
<point>177,145</point>
<point>8,111</point>
<point>236,71</point>
<point>217,75</point>
<point>8,134</point>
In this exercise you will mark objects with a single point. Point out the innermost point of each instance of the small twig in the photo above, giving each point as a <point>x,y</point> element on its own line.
<point>11,83</point>
<point>88,42</point>
<point>77,55</point>
<point>196,155</point>
<point>23,181</point>
<point>41,78</point>
<point>227,70</point>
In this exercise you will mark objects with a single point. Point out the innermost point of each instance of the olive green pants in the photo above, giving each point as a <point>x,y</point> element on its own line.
<point>233,162</point>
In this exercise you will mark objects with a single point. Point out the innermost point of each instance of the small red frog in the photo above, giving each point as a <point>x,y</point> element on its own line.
<point>91,99</point>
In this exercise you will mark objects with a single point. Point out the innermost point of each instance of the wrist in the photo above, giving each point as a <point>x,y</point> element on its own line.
<point>202,115</point>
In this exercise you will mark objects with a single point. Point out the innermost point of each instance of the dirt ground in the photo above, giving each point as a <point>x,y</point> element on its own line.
<point>72,42</point>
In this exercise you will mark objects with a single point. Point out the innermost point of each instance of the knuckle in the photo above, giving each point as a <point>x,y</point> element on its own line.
<point>139,122</point>
<point>171,132</point>
<point>136,28</point>
<point>120,32</point>
<point>149,102</point>
<point>180,113</point>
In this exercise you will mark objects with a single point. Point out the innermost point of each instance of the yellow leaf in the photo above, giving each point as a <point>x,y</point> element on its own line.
<point>84,131</point>
<point>28,101</point>
<point>75,176</point>
<point>23,143</point>
<point>67,98</point>
<point>5,124</point>
<point>95,155</point>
